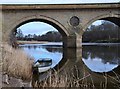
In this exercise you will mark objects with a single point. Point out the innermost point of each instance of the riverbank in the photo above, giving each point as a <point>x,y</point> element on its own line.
<point>17,65</point>
<point>100,44</point>
<point>31,42</point>
<point>15,82</point>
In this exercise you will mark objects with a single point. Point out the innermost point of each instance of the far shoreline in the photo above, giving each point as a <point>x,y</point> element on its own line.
<point>31,42</point>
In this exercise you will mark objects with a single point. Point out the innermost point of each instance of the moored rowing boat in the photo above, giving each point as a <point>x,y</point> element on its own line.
<point>43,64</point>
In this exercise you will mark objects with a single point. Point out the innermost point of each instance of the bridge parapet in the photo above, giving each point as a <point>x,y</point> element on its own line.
<point>60,6</point>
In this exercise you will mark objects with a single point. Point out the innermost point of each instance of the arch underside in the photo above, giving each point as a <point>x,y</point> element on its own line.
<point>63,33</point>
<point>115,20</point>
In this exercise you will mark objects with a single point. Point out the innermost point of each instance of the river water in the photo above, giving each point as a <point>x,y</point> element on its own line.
<point>49,50</point>
<point>98,58</point>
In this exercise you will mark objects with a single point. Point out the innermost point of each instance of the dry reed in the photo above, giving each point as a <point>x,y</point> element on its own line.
<point>16,63</point>
<point>64,80</point>
<point>67,80</point>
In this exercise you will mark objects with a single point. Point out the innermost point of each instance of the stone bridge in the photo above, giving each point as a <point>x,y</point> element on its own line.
<point>71,20</point>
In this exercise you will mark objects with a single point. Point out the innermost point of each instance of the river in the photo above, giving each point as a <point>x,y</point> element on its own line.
<point>98,58</point>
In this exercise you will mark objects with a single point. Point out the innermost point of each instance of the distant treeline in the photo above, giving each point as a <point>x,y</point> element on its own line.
<point>106,32</point>
<point>51,36</point>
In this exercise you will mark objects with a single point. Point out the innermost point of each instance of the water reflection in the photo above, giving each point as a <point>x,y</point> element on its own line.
<point>72,64</point>
<point>37,51</point>
<point>101,58</point>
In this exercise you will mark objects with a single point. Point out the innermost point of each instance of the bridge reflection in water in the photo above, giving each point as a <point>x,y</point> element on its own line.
<point>75,66</point>
<point>94,65</point>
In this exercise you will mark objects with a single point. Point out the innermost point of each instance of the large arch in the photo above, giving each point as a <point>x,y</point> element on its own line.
<point>49,21</point>
<point>40,18</point>
<point>114,18</point>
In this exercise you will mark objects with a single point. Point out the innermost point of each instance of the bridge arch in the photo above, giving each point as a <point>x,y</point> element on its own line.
<point>115,18</point>
<point>49,21</point>
<point>40,18</point>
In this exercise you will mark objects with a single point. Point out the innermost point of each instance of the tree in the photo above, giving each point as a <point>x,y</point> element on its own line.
<point>19,34</point>
<point>106,32</point>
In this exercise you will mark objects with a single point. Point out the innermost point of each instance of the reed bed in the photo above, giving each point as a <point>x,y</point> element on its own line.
<point>16,63</point>
<point>67,80</point>
<point>64,80</point>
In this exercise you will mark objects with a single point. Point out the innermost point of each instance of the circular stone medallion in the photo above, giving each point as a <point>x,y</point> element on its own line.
<point>74,21</point>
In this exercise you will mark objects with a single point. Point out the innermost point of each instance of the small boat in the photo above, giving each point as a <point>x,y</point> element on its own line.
<point>43,64</point>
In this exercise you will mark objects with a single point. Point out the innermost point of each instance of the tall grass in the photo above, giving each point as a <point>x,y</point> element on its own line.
<point>65,80</point>
<point>16,63</point>
<point>71,79</point>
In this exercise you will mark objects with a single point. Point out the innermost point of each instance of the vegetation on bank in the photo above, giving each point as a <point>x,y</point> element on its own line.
<point>72,79</point>
<point>51,36</point>
<point>16,63</point>
<point>106,32</point>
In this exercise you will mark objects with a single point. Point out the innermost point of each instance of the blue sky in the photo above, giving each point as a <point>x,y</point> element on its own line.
<point>42,28</point>
<point>37,28</point>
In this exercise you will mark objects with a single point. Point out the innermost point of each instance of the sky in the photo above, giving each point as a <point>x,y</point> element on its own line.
<point>37,28</point>
<point>97,65</point>
<point>54,1</point>
<point>42,28</point>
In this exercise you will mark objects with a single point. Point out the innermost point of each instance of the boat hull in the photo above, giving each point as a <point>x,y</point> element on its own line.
<point>43,69</point>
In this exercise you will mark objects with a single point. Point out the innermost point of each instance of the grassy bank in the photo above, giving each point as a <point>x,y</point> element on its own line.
<point>16,63</point>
